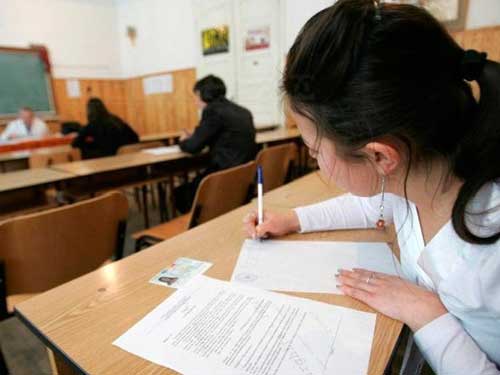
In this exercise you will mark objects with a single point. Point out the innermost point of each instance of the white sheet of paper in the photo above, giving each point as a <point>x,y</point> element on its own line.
<point>307,266</point>
<point>163,150</point>
<point>215,327</point>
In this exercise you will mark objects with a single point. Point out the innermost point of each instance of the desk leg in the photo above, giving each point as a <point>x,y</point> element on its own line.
<point>58,365</point>
<point>145,205</point>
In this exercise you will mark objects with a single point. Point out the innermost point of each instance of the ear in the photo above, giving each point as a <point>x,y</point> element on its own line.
<point>386,157</point>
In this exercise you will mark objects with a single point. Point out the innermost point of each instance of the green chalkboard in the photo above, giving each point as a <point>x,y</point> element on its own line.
<point>23,82</point>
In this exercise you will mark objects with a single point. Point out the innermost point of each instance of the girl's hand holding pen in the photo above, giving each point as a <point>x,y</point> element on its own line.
<point>274,224</point>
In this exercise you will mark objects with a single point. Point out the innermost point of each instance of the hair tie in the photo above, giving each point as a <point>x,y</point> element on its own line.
<point>472,64</point>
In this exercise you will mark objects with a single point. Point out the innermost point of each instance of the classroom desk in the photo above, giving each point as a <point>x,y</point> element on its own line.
<point>34,143</point>
<point>170,138</point>
<point>23,189</point>
<point>17,160</point>
<point>80,320</point>
<point>277,135</point>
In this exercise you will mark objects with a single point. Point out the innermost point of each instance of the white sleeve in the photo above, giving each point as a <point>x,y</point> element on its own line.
<point>450,350</point>
<point>344,212</point>
<point>41,129</point>
<point>7,132</point>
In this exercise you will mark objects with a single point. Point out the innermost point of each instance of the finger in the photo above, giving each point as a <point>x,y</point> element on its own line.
<point>363,275</point>
<point>364,271</point>
<point>358,294</point>
<point>251,217</point>
<point>356,283</point>
<point>263,229</point>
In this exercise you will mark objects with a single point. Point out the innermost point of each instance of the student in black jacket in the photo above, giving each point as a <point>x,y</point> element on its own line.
<point>104,133</point>
<point>226,128</point>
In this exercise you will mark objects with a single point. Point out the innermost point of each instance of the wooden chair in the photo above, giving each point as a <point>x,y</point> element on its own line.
<point>43,250</point>
<point>218,193</point>
<point>275,162</point>
<point>51,157</point>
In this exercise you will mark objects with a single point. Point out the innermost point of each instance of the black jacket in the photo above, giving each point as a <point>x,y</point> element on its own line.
<point>103,138</point>
<point>228,130</point>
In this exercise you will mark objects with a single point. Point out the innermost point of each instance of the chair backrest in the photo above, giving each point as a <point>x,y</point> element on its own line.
<point>275,162</point>
<point>136,147</point>
<point>221,192</point>
<point>57,156</point>
<point>42,250</point>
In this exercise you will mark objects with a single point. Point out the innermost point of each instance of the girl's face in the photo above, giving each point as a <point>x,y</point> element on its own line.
<point>358,177</point>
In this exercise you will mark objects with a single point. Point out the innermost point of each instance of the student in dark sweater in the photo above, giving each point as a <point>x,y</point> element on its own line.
<point>104,133</point>
<point>226,128</point>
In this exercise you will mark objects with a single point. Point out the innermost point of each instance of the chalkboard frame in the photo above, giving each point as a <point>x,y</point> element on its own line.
<point>48,79</point>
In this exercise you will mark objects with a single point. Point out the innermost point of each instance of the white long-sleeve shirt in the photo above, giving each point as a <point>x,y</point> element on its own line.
<point>17,129</point>
<point>466,276</point>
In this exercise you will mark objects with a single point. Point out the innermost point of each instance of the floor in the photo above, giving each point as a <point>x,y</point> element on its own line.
<point>24,352</point>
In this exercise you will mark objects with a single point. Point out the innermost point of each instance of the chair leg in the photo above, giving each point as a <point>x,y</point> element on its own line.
<point>137,198</point>
<point>3,364</point>
<point>153,196</point>
<point>145,205</point>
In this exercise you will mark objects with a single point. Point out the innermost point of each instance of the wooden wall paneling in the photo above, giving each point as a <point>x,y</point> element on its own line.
<point>162,112</point>
<point>111,91</point>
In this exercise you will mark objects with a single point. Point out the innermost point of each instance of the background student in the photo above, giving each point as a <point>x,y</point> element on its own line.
<point>104,133</point>
<point>225,127</point>
<point>381,99</point>
<point>27,125</point>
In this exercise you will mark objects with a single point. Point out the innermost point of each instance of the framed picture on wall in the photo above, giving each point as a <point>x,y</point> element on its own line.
<point>215,40</point>
<point>452,13</point>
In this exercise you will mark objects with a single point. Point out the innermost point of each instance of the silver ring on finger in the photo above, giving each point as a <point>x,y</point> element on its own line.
<point>368,279</point>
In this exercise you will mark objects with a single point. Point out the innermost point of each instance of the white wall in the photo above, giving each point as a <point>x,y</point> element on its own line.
<point>483,13</point>
<point>165,35</point>
<point>87,38</point>
<point>81,35</point>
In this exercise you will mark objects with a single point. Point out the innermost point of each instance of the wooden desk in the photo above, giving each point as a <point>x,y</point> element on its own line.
<point>80,320</point>
<point>277,135</point>
<point>263,135</point>
<point>17,160</point>
<point>31,178</point>
<point>25,189</point>
<point>169,137</point>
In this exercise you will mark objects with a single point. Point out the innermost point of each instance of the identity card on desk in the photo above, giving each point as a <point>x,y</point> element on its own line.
<point>180,273</point>
<point>308,266</point>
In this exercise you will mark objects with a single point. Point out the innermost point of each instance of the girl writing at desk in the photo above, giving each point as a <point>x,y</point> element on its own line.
<point>380,95</point>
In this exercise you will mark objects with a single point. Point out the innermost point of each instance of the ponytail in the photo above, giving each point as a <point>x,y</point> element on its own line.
<point>478,159</point>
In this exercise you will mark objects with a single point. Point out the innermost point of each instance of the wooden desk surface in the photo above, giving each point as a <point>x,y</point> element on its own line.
<point>160,136</point>
<point>261,137</point>
<point>30,178</point>
<point>279,134</point>
<point>20,155</point>
<point>82,318</point>
<point>111,163</point>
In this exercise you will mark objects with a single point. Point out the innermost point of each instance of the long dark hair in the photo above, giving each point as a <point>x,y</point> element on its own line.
<point>97,111</point>
<point>362,72</point>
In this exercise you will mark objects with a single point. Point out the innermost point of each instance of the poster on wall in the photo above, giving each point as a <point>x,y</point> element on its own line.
<point>215,40</point>
<point>73,88</point>
<point>160,84</point>
<point>258,38</point>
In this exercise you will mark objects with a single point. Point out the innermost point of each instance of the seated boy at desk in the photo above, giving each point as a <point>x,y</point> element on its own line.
<point>225,127</point>
<point>27,125</point>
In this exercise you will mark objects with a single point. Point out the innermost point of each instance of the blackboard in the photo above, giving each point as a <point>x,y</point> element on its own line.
<point>24,82</point>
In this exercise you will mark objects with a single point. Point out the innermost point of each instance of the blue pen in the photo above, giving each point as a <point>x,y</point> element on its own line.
<point>260,202</point>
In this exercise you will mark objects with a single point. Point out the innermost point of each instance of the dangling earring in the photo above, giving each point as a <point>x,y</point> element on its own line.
<point>381,221</point>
